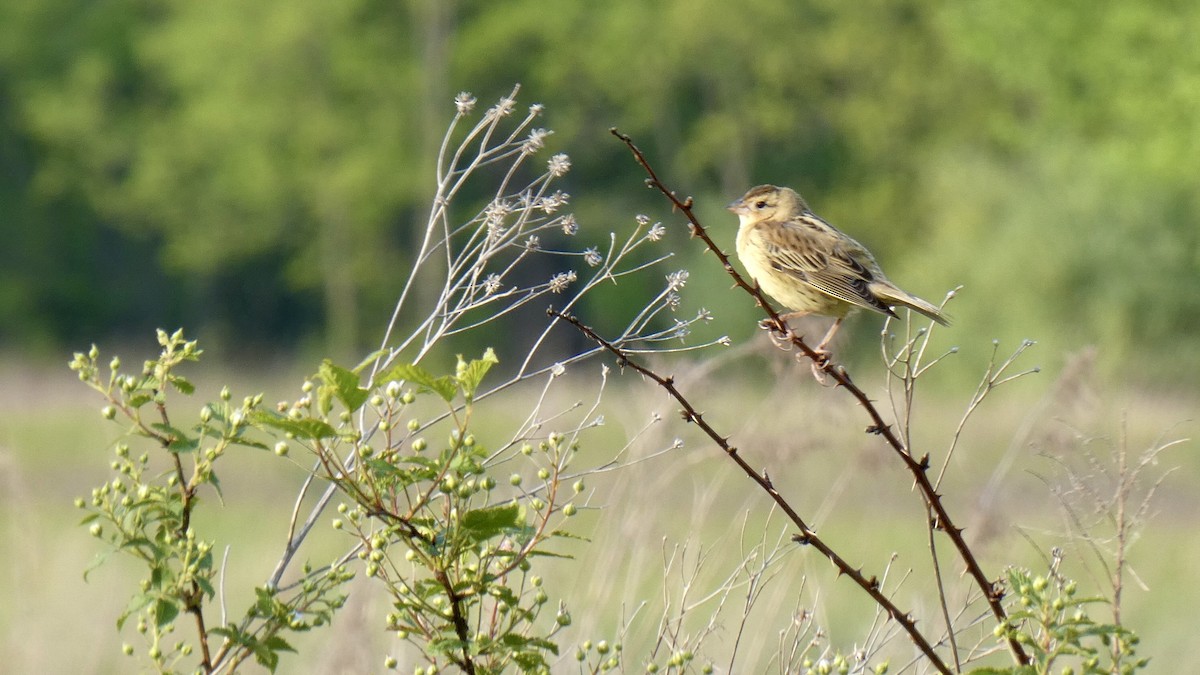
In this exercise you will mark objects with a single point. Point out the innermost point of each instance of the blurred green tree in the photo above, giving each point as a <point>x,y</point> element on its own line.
<point>1042,156</point>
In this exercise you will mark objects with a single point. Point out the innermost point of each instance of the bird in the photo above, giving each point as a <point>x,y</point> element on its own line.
<point>810,266</point>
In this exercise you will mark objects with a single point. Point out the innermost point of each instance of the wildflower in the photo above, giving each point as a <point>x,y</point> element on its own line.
<point>491,284</point>
<point>568,224</point>
<point>656,232</point>
<point>536,109</point>
<point>464,102</point>
<point>672,300</point>
<point>676,280</point>
<point>496,212</point>
<point>559,165</point>
<point>642,219</point>
<point>533,243</point>
<point>560,281</point>
<point>554,202</point>
<point>536,141</point>
<point>592,256</point>
<point>502,109</point>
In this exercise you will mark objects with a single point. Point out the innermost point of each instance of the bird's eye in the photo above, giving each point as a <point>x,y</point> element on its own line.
<point>760,204</point>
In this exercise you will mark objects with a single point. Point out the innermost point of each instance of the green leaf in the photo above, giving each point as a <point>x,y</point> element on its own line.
<point>484,524</point>
<point>165,612</point>
<point>471,374</point>
<point>265,656</point>
<point>344,384</point>
<point>276,643</point>
<point>371,358</point>
<point>177,440</point>
<point>183,385</point>
<point>382,467</point>
<point>304,429</point>
<point>136,603</point>
<point>410,372</point>
<point>530,662</point>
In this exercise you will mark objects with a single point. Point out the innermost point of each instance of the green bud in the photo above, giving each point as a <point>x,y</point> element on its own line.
<point>108,412</point>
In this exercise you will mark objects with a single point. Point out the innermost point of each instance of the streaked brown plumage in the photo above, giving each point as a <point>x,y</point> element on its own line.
<point>809,265</point>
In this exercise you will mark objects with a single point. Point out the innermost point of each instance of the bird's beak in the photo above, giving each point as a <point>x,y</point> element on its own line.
<point>736,206</point>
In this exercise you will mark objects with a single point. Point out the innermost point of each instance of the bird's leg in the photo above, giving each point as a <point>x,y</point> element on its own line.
<point>818,364</point>
<point>821,348</point>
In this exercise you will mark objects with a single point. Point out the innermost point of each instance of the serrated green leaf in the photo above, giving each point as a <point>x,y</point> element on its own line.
<point>410,372</point>
<point>530,662</point>
<point>445,645</point>
<point>278,644</point>
<point>179,442</point>
<point>483,524</point>
<point>345,385</point>
<point>138,400</point>
<point>312,429</point>
<point>382,467</point>
<point>549,554</point>
<point>265,656</point>
<point>183,385</point>
<point>470,375</point>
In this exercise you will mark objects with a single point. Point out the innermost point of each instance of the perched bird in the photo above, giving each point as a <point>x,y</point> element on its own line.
<point>809,266</point>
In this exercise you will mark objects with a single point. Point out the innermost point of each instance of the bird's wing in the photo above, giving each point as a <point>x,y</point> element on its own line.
<point>829,261</point>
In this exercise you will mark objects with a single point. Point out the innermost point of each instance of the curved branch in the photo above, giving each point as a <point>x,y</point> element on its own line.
<point>993,591</point>
<point>806,536</point>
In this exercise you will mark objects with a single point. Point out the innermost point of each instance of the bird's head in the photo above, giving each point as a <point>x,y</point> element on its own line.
<point>768,202</point>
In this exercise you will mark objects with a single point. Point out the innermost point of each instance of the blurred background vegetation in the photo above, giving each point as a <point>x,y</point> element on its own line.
<point>255,170</point>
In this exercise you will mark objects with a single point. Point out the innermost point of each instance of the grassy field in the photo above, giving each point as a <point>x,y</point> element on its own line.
<point>664,530</point>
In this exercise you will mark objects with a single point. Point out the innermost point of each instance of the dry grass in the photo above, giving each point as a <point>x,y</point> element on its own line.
<point>675,509</point>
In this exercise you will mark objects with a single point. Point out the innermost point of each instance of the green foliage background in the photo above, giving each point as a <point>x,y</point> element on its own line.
<point>257,168</point>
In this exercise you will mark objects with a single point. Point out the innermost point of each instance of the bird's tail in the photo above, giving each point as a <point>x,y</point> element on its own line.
<point>894,296</point>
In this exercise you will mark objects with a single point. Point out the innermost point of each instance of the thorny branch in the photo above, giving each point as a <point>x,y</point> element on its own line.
<point>806,536</point>
<point>992,591</point>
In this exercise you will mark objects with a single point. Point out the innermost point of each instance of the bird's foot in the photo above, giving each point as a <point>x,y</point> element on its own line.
<point>771,325</point>
<point>820,361</point>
